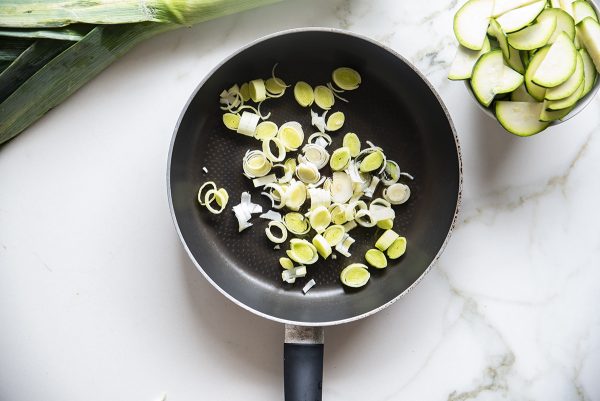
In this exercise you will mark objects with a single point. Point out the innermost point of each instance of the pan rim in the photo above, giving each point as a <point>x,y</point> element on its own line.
<point>458,199</point>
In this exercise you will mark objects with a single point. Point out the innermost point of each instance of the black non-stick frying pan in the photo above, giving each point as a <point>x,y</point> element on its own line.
<point>395,107</point>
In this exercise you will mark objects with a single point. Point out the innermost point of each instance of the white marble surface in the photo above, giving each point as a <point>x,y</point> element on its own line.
<point>99,302</point>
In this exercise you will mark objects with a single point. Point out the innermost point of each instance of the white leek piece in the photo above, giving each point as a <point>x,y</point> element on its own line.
<point>271,236</point>
<point>397,194</point>
<point>248,123</point>
<point>267,179</point>
<point>308,286</point>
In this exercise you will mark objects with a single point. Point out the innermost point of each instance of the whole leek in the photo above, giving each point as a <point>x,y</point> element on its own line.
<point>50,48</point>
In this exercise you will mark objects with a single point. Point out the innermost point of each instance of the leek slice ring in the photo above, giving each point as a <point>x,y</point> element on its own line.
<point>265,130</point>
<point>352,142</point>
<point>257,90</point>
<point>335,121</point>
<point>296,223</point>
<point>397,249</point>
<point>386,240</point>
<point>256,164</point>
<point>304,94</point>
<point>355,275</point>
<point>322,246</point>
<point>324,97</point>
<point>315,154</point>
<point>319,218</point>
<point>376,258</point>
<point>397,194</point>
<point>346,78</point>
<point>200,196</point>
<point>291,135</point>
<point>308,173</point>
<point>334,234</point>
<point>217,196</point>
<point>303,252</point>
<point>266,148</point>
<point>286,263</point>
<point>278,240</point>
<point>231,121</point>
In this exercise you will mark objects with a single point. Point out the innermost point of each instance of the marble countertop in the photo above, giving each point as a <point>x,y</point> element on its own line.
<point>98,300</point>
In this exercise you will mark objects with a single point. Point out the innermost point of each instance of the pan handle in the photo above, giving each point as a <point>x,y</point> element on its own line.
<point>303,363</point>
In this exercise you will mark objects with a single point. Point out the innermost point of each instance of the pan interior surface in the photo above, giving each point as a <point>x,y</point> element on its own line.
<point>393,107</point>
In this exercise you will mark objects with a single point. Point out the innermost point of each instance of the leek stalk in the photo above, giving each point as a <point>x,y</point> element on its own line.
<point>49,48</point>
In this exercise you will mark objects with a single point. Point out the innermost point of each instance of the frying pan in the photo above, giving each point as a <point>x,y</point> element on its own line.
<point>394,107</point>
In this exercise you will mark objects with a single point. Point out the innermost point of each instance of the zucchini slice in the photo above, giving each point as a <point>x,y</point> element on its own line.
<point>566,102</point>
<point>521,95</point>
<point>590,36</point>
<point>504,6</point>
<point>491,76</point>
<point>534,36</point>
<point>551,115</point>
<point>559,63</point>
<point>521,17</point>
<point>564,23</point>
<point>568,87</point>
<point>471,22</point>
<point>496,31</point>
<point>520,118</point>
<point>589,72</point>
<point>538,92</point>
<point>465,59</point>
<point>582,9</point>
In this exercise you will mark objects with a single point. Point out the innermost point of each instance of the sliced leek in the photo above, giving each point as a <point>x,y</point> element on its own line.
<point>231,121</point>
<point>352,142</point>
<point>303,93</point>
<point>322,245</point>
<point>346,78</point>
<point>340,158</point>
<point>335,121</point>
<point>286,263</point>
<point>334,234</point>
<point>397,248</point>
<point>323,97</point>
<point>376,258</point>
<point>265,130</point>
<point>282,229</point>
<point>319,218</point>
<point>386,240</point>
<point>355,275</point>
<point>296,223</point>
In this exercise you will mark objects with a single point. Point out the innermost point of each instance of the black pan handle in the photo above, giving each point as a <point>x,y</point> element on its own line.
<point>303,363</point>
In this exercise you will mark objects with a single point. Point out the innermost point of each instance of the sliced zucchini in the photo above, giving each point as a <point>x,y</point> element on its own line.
<point>514,61</point>
<point>552,115</point>
<point>538,92</point>
<point>471,23</point>
<point>504,6</point>
<point>520,118</point>
<point>521,95</point>
<point>525,58</point>
<point>564,23</point>
<point>465,59</point>
<point>582,9</point>
<point>521,17</point>
<point>590,36</point>
<point>566,102</point>
<point>567,5</point>
<point>559,63</point>
<point>534,36</point>
<point>491,77</point>
<point>568,87</point>
<point>496,31</point>
<point>589,72</point>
